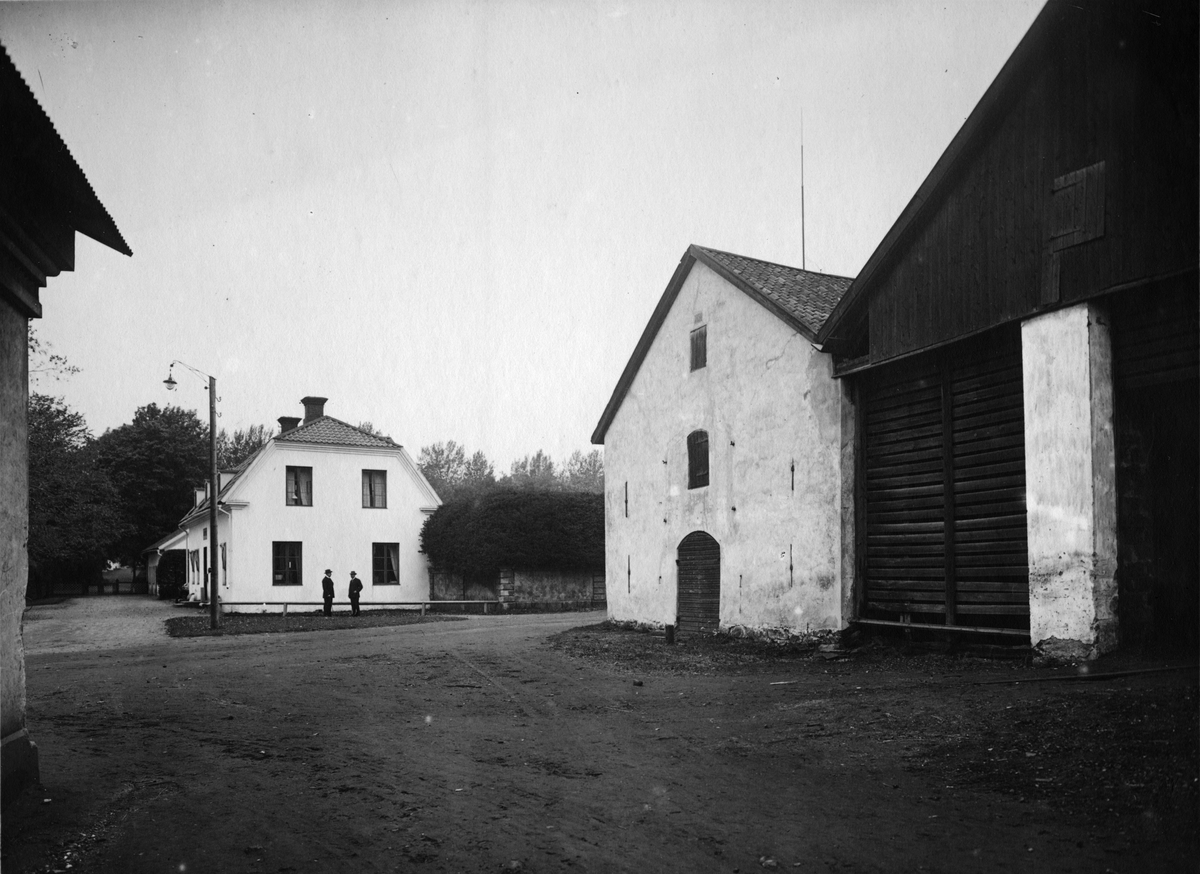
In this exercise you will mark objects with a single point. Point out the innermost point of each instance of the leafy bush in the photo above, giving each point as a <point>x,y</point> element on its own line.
<point>511,528</point>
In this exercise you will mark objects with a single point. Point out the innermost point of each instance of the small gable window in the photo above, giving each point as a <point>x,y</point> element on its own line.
<point>299,487</point>
<point>697,445</point>
<point>374,489</point>
<point>700,347</point>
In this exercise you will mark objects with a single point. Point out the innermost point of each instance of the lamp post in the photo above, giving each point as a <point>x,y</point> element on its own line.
<point>213,483</point>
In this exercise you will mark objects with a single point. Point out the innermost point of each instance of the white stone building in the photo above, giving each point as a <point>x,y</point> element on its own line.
<point>722,453</point>
<point>321,494</point>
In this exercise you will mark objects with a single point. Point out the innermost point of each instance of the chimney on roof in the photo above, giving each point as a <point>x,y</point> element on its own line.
<point>287,423</point>
<point>314,408</point>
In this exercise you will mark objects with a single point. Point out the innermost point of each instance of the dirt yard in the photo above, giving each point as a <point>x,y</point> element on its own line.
<point>550,743</point>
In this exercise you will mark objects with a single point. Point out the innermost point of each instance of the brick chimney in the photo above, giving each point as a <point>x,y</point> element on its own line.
<point>314,408</point>
<point>287,423</point>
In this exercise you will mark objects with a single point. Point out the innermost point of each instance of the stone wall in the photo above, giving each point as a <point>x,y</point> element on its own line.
<point>18,754</point>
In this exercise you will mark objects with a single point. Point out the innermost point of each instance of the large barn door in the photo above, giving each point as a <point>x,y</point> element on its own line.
<point>1156,375</point>
<point>904,492</point>
<point>943,487</point>
<point>990,572</point>
<point>699,605</point>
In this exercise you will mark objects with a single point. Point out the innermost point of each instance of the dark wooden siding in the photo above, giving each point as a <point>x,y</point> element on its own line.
<point>1156,334</point>
<point>699,605</point>
<point>944,486</point>
<point>1119,89</point>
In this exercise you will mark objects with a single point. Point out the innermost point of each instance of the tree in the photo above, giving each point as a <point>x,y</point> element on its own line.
<point>534,472</point>
<point>478,475</point>
<point>369,428</point>
<point>517,528</point>
<point>443,464</point>
<point>452,474</point>
<point>583,473</point>
<point>44,365</point>
<point>75,513</point>
<point>232,451</point>
<point>155,462</point>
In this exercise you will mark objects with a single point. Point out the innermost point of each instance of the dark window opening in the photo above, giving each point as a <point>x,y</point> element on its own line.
<point>697,444</point>
<point>374,489</point>
<point>700,347</point>
<point>298,487</point>
<point>385,558</point>
<point>286,563</point>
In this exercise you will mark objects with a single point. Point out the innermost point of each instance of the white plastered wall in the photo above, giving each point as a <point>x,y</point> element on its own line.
<point>768,402</point>
<point>337,532</point>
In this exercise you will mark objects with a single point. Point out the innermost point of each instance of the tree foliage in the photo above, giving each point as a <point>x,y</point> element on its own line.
<point>452,473</point>
<point>583,473</point>
<point>517,528</point>
<point>155,461</point>
<point>233,450</point>
<point>535,472</point>
<point>45,365</point>
<point>75,513</point>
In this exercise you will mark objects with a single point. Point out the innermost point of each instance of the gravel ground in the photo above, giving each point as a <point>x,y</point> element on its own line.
<point>1122,750</point>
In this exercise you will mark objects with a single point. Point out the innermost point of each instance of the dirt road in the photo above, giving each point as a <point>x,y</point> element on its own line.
<point>478,746</point>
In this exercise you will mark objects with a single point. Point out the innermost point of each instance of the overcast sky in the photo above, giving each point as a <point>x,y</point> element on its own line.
<point>454,219</point>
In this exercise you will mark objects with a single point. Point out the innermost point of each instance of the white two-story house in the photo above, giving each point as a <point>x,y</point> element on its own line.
<point>320,495</point>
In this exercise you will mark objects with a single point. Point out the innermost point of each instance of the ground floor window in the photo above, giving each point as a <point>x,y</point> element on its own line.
<point>385,558</point>
<point>286,558</point>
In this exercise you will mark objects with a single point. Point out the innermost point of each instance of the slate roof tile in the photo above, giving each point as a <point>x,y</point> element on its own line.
<point>807,296</point>
<point>334,432</point>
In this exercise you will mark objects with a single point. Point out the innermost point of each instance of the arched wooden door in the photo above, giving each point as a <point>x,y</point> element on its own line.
<point>699,604</point>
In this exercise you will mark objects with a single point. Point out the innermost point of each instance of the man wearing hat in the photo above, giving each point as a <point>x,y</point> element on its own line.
<point>327,592</point>
<point>355,590</point>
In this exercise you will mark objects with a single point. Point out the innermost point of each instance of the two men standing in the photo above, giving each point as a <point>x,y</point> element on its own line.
<point>356,587</point>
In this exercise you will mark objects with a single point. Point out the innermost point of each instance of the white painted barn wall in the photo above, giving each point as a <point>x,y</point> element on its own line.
<point>766,399</point>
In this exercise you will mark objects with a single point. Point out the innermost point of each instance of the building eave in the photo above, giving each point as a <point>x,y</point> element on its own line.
<point>973,133</point>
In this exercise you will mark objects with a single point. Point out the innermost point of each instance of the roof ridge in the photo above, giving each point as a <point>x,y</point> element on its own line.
<point>310,425</point>
<point>713,251</point>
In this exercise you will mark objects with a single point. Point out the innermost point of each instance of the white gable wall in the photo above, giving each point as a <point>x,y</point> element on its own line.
<point>337,532</point>
<point>767,400</point>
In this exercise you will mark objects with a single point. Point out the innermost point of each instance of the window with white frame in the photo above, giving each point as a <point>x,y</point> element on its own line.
<point>286,563</point>
<point>374,489</point>
<point>385,560</point>
<point>298,486</point>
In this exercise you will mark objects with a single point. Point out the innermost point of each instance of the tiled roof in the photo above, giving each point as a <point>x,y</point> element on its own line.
<point>807,296</point>
<point>334,432</point>
<point>800,298</point>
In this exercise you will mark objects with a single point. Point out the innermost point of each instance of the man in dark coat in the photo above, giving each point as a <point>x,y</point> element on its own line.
<point>327,592</point>
<point>355,589</point>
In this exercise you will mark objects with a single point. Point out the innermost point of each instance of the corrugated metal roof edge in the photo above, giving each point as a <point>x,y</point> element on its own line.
<point>107,233</point>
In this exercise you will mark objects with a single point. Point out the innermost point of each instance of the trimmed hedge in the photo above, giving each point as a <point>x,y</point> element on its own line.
<point>510,528</point>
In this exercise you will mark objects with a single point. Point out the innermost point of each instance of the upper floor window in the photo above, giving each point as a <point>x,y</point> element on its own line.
<point>299,487</point>
<point>700,347</point>
<point>374,485</point>
<point>697,444</point>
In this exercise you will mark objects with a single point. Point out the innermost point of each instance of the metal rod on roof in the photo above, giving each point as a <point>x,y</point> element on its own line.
<point>803,261</point>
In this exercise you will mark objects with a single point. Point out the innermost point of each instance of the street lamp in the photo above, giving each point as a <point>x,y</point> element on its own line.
<point>213,483</point>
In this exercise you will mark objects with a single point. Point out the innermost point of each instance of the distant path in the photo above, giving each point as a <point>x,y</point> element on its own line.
<point>96,623</point>
<point>105,622</point>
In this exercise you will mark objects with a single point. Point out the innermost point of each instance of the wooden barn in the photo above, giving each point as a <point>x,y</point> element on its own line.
<point>1022,352</point>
